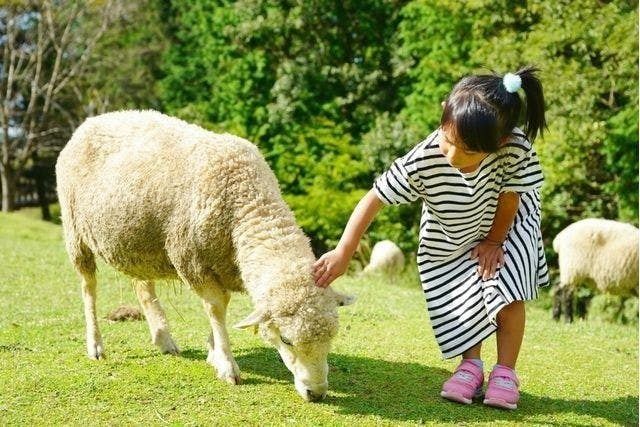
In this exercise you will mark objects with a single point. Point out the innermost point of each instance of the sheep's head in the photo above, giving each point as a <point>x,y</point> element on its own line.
<point>301,329</point>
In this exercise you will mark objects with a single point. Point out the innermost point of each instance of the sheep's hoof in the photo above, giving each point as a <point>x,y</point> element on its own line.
<point>227,370</point>
<point>231,379</point>
<point>165,343</point>
<point>169,347</point>
<point>174,351</point>
<point>95,351</point>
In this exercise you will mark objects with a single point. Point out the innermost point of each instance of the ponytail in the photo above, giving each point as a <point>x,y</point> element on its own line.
<point>534,121</point>
<point>482,109</point>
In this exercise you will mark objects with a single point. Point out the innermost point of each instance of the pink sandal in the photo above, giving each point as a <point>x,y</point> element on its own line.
<point>465,383</point>
<point>502,390</point>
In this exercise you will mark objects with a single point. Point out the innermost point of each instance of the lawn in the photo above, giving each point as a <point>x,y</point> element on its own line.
<point>385,368</point>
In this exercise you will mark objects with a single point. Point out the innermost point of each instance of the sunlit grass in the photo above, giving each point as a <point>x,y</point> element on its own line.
<point>385,366</point>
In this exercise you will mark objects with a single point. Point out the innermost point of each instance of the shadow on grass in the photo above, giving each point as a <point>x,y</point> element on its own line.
<point>410,392</point>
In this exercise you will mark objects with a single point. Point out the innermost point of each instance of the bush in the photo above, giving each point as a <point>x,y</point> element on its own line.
<point>630,311</point>
<point>614,309</point>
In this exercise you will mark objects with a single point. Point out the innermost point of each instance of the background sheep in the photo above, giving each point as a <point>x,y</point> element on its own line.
<point>158,198</point>
<point>598,253</point>
<point>386,257</point>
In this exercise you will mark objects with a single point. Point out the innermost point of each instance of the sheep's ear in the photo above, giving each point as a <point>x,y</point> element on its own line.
<point>342,299</point>
<point>254,319</point>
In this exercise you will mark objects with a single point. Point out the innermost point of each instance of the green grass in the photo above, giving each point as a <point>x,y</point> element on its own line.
<point>385,368</point>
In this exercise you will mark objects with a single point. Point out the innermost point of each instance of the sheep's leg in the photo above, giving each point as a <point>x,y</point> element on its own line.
<point>581,306</point>
<point>95,348</point>
<point>215,301</point>
<point>158,326</point>
<point>557,303</point>
<point>567,302</point>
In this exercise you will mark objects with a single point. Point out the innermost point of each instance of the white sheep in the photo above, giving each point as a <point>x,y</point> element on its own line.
<point>597,253</point>
<point>158,198</point>
<point>386,257</point>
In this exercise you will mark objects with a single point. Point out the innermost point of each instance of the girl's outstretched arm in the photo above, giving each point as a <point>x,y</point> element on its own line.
<point>334,263</point>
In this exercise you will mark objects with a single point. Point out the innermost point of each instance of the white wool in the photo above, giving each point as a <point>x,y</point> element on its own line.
<point>601,253</point>
<point>386,257</point>
<point>159,198</point>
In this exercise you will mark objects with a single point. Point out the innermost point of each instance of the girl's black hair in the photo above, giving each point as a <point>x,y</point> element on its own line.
<point>480,111</point>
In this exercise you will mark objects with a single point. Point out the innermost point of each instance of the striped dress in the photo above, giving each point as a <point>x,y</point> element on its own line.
<point>457,213</point>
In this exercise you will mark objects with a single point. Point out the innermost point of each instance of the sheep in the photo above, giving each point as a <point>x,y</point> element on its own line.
<point>158,198</point>
<point>602,254</point>
<point>386,257</point>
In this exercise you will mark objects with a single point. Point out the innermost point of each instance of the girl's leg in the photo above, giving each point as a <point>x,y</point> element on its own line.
<point>502,390</point>
<point>468,378</point>
<point>510,332</point>
<point>473,352</point>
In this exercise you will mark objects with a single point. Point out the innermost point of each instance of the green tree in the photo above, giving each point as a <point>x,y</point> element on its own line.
<point>303,80</point>
<point>588,53</point>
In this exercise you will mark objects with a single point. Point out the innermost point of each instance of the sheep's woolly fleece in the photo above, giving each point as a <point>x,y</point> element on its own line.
<point>601,250</point>
<point>159,198</point>
<point>385,256</point>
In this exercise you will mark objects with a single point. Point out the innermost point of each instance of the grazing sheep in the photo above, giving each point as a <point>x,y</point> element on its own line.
<point>599,253</point>
<point>386,257</point>
<point>158,198</point>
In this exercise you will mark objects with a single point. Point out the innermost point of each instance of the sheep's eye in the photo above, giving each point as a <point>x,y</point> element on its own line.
<point>284,340</point>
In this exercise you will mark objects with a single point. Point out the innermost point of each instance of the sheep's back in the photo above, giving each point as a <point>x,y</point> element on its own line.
<point>134,186</point>
<point>603,251</point>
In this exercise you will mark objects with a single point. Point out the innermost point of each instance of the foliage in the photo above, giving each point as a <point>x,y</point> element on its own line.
<point>45,47</point>
<point>65,61</point>
<point>590,152</point>
<point>614,309</point>
<point>332,92</point>
<point>124,66</point>
<point>384,348</point>
<point>590,73</point>
<point>304,81</point>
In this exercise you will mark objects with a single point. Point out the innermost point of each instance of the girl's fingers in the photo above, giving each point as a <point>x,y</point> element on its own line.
<point>326,279</point>
<point>480,266</point>
<point>492,270</point>
<point>485,271</point>
<point>319,263</point>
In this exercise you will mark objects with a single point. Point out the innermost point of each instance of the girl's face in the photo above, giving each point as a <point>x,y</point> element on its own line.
<point>457,155</point>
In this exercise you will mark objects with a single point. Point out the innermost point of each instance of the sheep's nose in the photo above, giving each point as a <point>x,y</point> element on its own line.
<point>314,397</point>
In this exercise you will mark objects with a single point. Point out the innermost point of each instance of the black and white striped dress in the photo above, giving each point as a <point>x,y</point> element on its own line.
<point>457,213</point>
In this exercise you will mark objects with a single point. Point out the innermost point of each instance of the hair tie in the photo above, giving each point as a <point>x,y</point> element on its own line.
<point>512,82</point>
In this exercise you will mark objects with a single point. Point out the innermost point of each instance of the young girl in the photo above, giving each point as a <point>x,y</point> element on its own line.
<point>480,252</point>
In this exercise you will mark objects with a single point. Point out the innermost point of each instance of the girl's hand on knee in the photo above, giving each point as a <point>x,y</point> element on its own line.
<point>490,257</point>
<point>329,267</point>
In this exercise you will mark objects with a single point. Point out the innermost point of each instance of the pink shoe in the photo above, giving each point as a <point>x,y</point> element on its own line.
<point>465,383</point>
<point>502,390</point>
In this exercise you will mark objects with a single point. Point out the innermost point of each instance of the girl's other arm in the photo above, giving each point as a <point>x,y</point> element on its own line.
<point>508,203</point>
<point>489,251</point>
<point>334,263</point>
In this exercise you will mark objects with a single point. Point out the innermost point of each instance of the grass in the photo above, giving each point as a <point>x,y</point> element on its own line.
<point>385,368</point>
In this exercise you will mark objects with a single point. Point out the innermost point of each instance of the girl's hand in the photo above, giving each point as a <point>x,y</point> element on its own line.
<point>329,267</point>
<point>490,257</point>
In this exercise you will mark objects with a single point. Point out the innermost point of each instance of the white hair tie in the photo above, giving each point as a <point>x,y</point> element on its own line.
<point>512,82</point>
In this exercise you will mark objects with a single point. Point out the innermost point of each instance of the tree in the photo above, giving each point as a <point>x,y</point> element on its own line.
<point>303,80</point>
<point>44,51</point>
<point>588,53</point>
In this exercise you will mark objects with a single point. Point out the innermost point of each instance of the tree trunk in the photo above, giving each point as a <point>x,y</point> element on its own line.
<point>41,189</point>
<point>8,189</point>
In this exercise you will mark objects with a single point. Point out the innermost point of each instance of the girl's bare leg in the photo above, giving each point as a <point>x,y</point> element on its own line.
<point>473,352</point>
<point>510,332</point>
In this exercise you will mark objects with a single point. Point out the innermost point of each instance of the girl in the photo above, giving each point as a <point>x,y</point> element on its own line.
<point>480,252</point>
